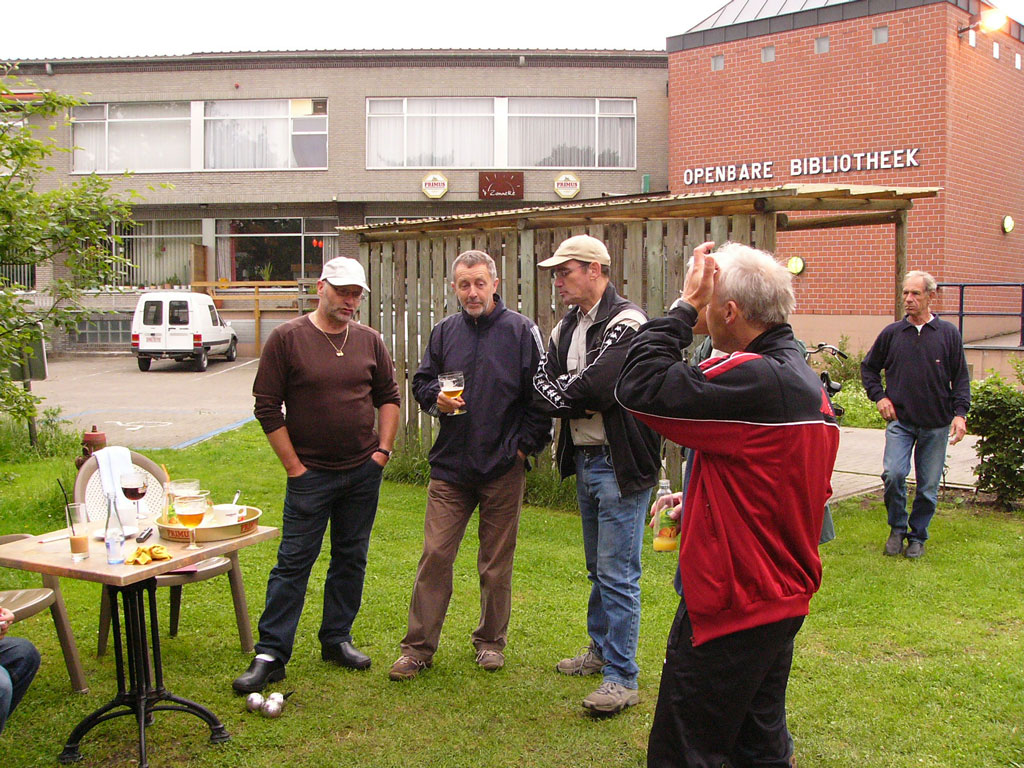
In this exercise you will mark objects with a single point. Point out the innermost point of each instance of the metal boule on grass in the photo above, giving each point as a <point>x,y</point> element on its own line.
<point>254,701</point>
<point>271,708</point>
<point>277,696</point>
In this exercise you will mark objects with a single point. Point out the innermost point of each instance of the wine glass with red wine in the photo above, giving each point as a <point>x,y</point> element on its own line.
<point>133,486</point>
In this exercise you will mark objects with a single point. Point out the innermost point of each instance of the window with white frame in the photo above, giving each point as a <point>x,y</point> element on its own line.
<point>274,249</point>
<point>247,134</point>
<point>136,137</point>
<point>159,251</point>
<point>513,132</point>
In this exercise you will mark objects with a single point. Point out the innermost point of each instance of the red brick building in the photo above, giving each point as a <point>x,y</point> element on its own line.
<point>886,92</point>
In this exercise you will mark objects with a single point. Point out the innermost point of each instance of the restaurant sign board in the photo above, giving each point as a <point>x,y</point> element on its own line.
<point>501,185</point>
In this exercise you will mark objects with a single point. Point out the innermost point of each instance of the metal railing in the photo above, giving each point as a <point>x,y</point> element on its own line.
<point>961,312</point>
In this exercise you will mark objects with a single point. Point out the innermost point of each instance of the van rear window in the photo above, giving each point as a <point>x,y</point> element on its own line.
<point>178,313</point>
<point>153,313</point>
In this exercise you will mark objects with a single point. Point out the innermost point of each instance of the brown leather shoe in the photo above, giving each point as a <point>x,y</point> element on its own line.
<point>407,667</point>
<point>490,659</point>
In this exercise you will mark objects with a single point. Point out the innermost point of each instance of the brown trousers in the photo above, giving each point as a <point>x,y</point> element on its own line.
<point>449,507</point>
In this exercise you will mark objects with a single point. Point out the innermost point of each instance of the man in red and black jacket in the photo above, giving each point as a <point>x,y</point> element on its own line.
<point>764,441</point>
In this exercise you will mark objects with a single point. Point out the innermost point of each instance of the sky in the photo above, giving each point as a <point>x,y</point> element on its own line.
<point>66,29</point>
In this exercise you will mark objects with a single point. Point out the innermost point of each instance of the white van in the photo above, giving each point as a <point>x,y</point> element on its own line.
<point>180,325</point>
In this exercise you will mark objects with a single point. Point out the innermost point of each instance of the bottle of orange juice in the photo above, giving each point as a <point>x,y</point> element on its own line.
<point>666,530</point>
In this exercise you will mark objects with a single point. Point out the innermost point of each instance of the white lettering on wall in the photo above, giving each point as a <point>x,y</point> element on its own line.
<point>887,159</point>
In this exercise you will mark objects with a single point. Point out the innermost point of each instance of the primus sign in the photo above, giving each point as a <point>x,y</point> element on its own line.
<point>848,162</point>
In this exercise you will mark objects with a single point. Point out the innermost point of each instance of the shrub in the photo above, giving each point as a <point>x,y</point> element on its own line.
<point>56,436</point>
<point>997,416</point>
<point>860,411</point>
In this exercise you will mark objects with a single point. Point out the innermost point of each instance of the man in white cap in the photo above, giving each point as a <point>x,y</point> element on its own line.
<point>333,376</point>
<point>615,459</point>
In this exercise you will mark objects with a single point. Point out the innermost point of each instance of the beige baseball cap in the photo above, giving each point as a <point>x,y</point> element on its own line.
<point>343,271</point>
<point>580,248</point>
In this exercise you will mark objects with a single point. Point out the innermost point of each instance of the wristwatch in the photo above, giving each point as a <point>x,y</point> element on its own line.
<point>385,451</point>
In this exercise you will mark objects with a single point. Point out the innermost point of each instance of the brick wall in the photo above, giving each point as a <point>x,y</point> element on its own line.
<point>923,89</point>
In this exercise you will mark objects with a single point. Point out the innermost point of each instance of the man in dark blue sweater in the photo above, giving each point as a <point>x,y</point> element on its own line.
<point>925,400</point>
<point>478,459</point>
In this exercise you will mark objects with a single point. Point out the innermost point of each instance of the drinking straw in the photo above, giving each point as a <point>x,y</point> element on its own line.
<point>67,508</point>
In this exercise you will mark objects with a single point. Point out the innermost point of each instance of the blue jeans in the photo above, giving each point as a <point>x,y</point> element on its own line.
<point>613,528</point>
<point>348,501</point>
<point>929,448</point>
<point>19,662</point>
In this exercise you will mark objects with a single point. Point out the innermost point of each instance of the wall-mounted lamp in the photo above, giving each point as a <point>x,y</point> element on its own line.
<point>1007,224</point>
<point>988,21</point>
<point>796,265</point>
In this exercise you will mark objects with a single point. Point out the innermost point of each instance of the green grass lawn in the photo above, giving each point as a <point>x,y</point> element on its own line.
<point>899,664</point>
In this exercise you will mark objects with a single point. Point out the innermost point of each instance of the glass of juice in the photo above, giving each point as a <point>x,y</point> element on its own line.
<point>78,532</point>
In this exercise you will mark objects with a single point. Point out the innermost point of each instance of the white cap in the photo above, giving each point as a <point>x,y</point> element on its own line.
<point>342,271</point>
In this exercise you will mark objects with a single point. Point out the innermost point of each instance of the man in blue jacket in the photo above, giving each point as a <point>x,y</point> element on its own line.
<point>925,401</point>
<point>478,459</point>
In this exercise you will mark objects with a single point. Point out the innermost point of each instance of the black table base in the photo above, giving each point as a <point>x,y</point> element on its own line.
<point>145,692</point>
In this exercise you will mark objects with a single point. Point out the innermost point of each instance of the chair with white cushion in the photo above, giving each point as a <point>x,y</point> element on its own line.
<point>89,490</point>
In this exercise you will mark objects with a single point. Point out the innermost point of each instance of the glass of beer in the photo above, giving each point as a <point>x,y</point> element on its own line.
<point>190,511</point>
<point>133,486</point>
<point>452,384</point>
<point>78,532</point>
<point>184,487</point>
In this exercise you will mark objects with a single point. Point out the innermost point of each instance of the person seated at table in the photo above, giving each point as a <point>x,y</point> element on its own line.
<point>19,662</point>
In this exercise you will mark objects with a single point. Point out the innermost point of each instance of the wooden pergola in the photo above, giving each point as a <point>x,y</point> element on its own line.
<point>648,237</point>
<point>753,216</point>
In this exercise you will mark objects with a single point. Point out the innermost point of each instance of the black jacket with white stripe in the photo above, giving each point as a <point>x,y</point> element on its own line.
<point>634,448</point>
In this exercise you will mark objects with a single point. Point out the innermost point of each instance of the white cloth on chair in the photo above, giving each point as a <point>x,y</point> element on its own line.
<point>114,461</point>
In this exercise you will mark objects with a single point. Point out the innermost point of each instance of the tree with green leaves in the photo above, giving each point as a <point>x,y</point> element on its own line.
<point>68,225</point>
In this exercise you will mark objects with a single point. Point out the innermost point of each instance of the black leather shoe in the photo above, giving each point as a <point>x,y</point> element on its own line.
<point>258,675</point>
<point>345,654</point>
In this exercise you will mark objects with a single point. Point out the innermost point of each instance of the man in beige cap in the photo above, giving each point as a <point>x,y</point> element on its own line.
<point>615,459</point>
<point>333,376</point>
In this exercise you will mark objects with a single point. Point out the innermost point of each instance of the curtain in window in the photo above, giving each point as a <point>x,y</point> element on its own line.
<point>247,134</point>
<point>90,140</point>
<point>450,133</point>
<point>551,133</point>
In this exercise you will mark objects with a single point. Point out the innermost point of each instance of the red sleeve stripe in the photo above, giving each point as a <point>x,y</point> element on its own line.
<point>717,365</point>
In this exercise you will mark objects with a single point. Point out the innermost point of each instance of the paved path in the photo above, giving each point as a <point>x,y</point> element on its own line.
<point>174,406</point>
<point>859,463</point>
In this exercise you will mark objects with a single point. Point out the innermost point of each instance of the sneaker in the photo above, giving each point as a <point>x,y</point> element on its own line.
<point>610,698</point>
<point>914,549</point>
<point>586,663</point>
<point>490,659</point>
<point>407,667</point>
<point>894,544</point>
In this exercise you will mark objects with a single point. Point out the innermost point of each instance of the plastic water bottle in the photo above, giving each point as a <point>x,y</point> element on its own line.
<point>666,530</point>
<point>113,533</point>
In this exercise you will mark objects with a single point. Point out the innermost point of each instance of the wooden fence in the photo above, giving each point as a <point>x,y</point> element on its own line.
<point>410,292</point>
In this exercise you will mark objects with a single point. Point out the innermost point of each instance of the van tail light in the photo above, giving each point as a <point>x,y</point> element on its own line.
<point>197,340</point>
<point>135,341</point>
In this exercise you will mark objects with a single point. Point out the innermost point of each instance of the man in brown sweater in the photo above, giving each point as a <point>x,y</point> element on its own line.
<point>332,376</point>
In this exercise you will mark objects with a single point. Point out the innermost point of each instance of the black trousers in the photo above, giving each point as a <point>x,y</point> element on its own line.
<point>723,703</point>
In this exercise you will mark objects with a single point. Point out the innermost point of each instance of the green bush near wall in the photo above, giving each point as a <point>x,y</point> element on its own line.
<point>997,416</point>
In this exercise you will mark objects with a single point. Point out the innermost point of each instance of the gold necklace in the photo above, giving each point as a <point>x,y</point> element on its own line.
<point>339,351</point>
